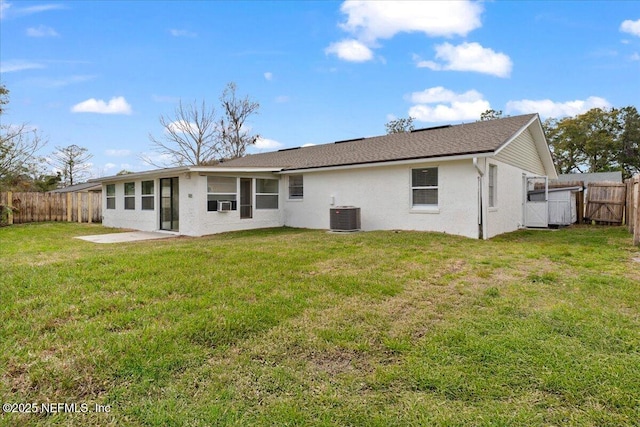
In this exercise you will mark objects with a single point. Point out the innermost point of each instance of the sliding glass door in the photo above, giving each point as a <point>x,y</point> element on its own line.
<point>169,207</point>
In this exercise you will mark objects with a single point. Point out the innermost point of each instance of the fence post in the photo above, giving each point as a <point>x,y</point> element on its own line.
<point>79,198</point>
<point>10,208</point>
<point>89,211</point>
<point>636,227</point>
<point>69,207</point>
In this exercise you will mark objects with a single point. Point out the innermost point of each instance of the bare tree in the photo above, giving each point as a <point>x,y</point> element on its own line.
<point>18,145</point>
<point>72,162</point>
<point>190,136</point>
<point>234,136</point>
<point>194,135</point>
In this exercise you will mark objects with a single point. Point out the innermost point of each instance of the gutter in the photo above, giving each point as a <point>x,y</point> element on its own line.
<point>480,207</point>
<point>475,163</point>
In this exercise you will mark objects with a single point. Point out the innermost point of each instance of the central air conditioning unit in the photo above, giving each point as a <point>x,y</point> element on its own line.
<point>224,205</point>
<point>344,218</point>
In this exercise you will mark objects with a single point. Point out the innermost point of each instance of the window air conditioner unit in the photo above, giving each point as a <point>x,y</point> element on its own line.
<point>344,218</point>
<point>224,205</point>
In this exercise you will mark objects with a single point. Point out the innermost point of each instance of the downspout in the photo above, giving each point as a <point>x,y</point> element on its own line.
<point>480,175</point>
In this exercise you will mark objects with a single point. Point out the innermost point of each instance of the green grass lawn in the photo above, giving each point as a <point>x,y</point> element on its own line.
<point>301,327</point>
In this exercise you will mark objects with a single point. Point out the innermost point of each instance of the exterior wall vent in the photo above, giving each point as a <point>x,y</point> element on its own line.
<point>344,218</point>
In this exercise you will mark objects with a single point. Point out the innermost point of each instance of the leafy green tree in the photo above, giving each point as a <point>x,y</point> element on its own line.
<point>400,125</point>
<point>490,114</point>
<point>600,140</point>
<point>630,141</point>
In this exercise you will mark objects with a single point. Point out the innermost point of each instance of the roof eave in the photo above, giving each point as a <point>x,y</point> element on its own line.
<point>406,161</point>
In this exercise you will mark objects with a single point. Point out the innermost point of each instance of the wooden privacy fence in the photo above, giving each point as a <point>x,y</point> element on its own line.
<point>41,207</point>
<point>633,207</point>
<point>606,202</point>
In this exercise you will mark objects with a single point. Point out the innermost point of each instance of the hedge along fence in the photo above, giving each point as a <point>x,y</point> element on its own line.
<point>633,207</point>
<point>21,208</point>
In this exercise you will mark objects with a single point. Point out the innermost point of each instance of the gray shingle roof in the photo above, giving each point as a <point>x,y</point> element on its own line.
<point>444,141</point>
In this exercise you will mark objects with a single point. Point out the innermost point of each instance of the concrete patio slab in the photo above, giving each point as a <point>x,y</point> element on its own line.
<point>131,236</point>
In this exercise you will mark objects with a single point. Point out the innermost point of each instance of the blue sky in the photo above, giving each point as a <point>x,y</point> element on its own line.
<point>99,74</point>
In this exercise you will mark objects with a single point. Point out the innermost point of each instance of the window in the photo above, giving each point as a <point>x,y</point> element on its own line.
<point>129,195</point>
<point>221,188</point>
<point>296,187</point>
<point>147,196</point>
<point>111,196</point>
<point>267,194</point>
<point>424,187</point>
<point>493,185</point>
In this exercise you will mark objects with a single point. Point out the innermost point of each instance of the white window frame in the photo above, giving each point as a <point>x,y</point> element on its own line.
<point>128,197</point>
<point>112,196</point>
<point>147,196</point>
<point>276,193</point>
<point>432,207</point>
<point>233,199</point>
<point>301,186</point>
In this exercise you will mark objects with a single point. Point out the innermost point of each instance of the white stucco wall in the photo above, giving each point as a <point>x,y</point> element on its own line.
<point>195,220</point>
<point>507,215</point>
<point>136,219</point>
<point>383,193</point>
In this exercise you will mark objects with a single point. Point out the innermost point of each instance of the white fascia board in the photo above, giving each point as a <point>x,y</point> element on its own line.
<point>541,145</point>
<point>515,135</point>
<point>389,163</point>
<point>545,151</point>
<point>214,169</point>
<point>138,175</point>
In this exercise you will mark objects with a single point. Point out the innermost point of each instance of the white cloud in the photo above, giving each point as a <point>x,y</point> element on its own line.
<point>308,144</point>
<point>109,166</point>
<point>41,31</point>
<point>180,126</point>
<point>631,27</point>
<point>549,108</point>
<point>370,21</point>
<point>8,11</point>
<point>118,153</point>
<point>469,57</point>
<point>182,33</point>
<point>440,94</point>
<point>373,20</point>
<point>635,56</point>
<point>116,105</point>
<point>350,50</point>
<point>4,8</point>
<point>267,144</point>
<point>450,106</point>
<point>268,76</point>
<point>282,99</point>
<point>14,65</point>
<point>456,111</point>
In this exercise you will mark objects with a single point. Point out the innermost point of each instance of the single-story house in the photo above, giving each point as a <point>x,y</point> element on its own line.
<point>85,187</point>
<point>468,179</point>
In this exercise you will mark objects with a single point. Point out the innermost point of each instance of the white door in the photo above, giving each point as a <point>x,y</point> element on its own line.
<point>536,210</point>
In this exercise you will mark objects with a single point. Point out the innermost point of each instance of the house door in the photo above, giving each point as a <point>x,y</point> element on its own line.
<point>536,209</point>
<point>246,207</point>
<point>169,207</point>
